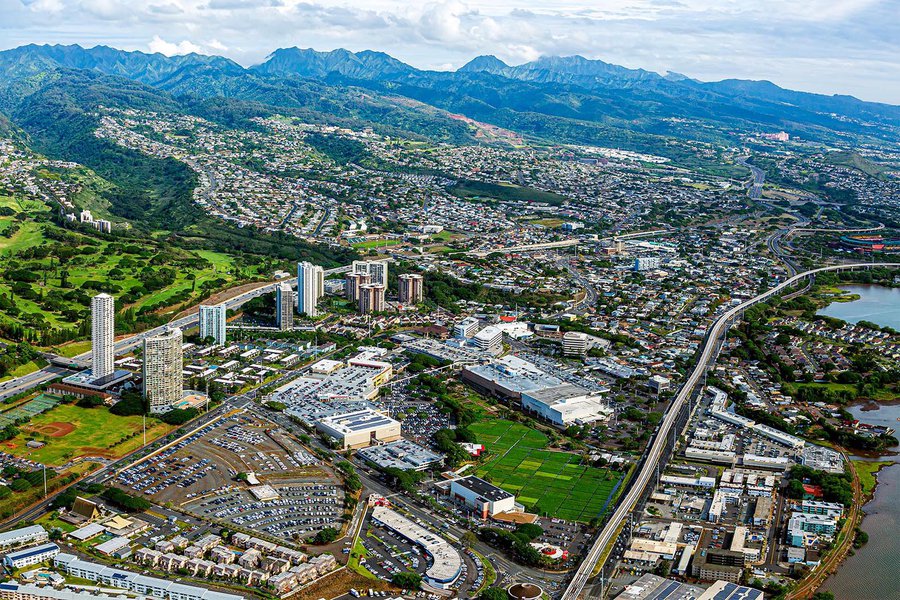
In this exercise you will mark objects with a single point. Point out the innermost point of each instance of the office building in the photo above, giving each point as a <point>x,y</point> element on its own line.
<point>647,263</point>
<point>411,288</point>
<point>30,556</point>
<point>103,334</point>
<point>377,270</point>
<point>574,343</point>
<point>212,322</point>
<point>360,428</point>
<point>352,283</point>
<point>489,339</point>
<point>284,307</point>
<point>310,288</point>
<point>466,328</point>
<point>371,298</point>
<point>162,370</point>
<point>485,499</point>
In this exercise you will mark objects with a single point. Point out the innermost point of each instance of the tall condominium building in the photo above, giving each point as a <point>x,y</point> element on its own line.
<point>371,298</point>
<point>377,270</point>
<point>310,287</point>
<point>163,375</point>
<point>352,283</point>
<point>103,334</point>
<point>212,322</point>
<point>411,288</point>
<point>284,306</point>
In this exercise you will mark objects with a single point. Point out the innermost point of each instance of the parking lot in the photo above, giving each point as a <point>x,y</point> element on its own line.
<point>245,471</point>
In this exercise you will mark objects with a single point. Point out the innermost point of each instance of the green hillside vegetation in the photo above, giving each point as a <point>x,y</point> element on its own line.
<point>51,269</point>
<point>855,161</point>
<point>505,191</point>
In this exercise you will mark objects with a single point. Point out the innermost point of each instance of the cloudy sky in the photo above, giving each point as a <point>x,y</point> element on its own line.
<point>827,46</point>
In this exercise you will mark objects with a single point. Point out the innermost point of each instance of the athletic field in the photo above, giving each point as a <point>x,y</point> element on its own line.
<point>545,481</point>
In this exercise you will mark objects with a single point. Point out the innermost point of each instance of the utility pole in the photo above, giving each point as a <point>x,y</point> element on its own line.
<point>45,481</point>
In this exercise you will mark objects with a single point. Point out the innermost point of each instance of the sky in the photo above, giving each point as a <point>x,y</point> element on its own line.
<point>826,46</point>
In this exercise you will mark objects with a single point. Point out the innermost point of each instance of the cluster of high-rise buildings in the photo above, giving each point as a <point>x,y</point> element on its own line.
<point>163,380</point>
<point>162,370</point>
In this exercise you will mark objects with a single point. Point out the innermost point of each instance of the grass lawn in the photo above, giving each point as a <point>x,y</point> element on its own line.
<point>376,244</point>
<point>546,481</point>
<point>867,472</point>
<point>73,348</point>
<point>549,223</point>
<point>29,234</point>
<point>24,369</point>
<point>94,432</point>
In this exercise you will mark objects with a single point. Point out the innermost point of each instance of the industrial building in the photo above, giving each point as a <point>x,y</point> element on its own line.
<point>135,582</point>
<point>162,370</point>
<point>485,499</point>
<point>360,428</point>
<point>212,322</point>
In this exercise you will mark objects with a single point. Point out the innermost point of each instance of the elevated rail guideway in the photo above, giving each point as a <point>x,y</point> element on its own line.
<point>707,357</point>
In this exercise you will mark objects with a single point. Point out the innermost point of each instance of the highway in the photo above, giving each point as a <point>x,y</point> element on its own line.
<point>566,243</point>
<point>707,357</point>
<point>26,382</point>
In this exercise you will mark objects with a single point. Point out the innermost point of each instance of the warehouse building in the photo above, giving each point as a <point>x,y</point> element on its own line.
<point>360,428</point>
<point>485,499</point>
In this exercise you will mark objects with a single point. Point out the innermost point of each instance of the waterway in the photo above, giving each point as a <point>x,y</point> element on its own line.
<point>876,303</point>
<point>872,573</point>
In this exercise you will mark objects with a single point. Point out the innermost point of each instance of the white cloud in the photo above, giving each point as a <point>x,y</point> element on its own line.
<point>157,44</point>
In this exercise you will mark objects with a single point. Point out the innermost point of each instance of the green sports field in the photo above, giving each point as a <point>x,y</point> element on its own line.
<point>545,481</point>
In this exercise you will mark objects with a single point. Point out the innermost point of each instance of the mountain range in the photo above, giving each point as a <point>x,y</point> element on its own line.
<point>559,99</point>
